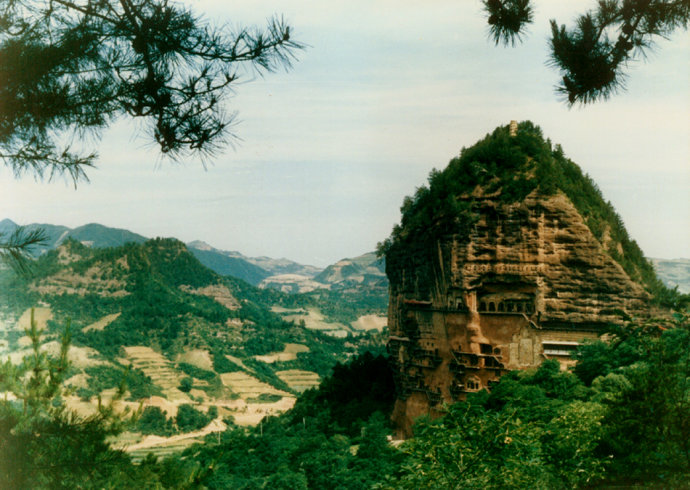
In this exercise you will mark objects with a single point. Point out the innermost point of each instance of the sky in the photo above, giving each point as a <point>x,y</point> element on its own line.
<point>385,92</point>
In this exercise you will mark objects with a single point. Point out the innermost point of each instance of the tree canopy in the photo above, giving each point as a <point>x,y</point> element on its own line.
<point>593,55</point>
<point>70,68</point>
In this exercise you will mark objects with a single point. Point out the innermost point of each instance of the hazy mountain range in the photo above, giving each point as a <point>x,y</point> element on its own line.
<point>282,274</point>
<point>266,272</point>
<point>92,235</point>
<point>675,272</point>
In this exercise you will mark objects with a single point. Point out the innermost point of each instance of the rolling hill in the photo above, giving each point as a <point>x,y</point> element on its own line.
<point>92,234</point>
<point>180,333</point>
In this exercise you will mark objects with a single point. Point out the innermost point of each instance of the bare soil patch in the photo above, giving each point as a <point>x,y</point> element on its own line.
<point>102,323</point>
<point>41,317</point>
<point>370,322</point>
<point>282,309</point>
<point>197,357</point>
<point>90,281</point>
<point>168,407</point>
<point>314,320</point>
<point>238,361</point>
<point>289,353</point>
<point>254,412</point>
<point>218,292</point>
<point>80,380</point>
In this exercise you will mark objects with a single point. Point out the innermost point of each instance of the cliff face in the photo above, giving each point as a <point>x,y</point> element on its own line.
<point>520,281</point>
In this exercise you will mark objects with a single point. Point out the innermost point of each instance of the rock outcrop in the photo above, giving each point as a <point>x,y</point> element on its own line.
<point>517,281</point>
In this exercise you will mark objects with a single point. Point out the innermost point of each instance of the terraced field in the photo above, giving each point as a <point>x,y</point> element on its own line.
<point>159,369</point>
<point>289,353</point>
<point>314,320</point>
<point>166,446</point>
<point>298,379</point>
<point>247,386</point>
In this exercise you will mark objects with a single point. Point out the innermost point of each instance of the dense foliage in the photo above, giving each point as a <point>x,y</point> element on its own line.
<point>620,419</point>
<point>44,445</point>
<point>509,168</point>
<point>103,377</point>
<point>350,395</point>
<point>335,437</point>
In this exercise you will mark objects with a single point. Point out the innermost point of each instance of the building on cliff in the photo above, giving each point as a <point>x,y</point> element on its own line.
<point>510,256</point>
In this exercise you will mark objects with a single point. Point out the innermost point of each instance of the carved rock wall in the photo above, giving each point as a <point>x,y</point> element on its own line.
<point>529,284</point>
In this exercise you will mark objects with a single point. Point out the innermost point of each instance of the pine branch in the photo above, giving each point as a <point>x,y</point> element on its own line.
<point>16,250</point>
<point>508,19</point>
<point>591,62</point>
<point>93,61</point>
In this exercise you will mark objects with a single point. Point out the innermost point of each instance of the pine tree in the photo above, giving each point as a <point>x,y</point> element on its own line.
<point>46,445</point>
<point>70,68</point>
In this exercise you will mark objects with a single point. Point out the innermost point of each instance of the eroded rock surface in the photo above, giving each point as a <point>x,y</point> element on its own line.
<point>529,283</point>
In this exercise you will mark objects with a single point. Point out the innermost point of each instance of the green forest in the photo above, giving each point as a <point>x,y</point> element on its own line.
<point>154,298</point>
<point>621,418</point>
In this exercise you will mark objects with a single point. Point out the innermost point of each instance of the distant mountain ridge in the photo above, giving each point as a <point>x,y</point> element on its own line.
<point>285,275</point>
<point>92,234</point>
<point>282,274</point>
<point>268,264</point>
<point>365,269</point>
<point>674,272</point>
<point>229,266</point>
<point>251,269</point>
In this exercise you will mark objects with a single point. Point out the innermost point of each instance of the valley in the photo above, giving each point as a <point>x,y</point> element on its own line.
<point>179,334</point>
<point>183,334</point>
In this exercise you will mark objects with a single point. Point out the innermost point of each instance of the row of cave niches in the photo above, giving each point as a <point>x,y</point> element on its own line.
<point>464,369</point>
<point>515,307</point>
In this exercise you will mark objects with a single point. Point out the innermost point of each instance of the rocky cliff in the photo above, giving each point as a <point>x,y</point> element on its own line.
<point>509,257</point>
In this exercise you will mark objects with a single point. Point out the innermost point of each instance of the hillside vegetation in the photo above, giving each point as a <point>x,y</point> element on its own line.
<point>618,421</point>
<point>507,169</point>
<point>178,334</point>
